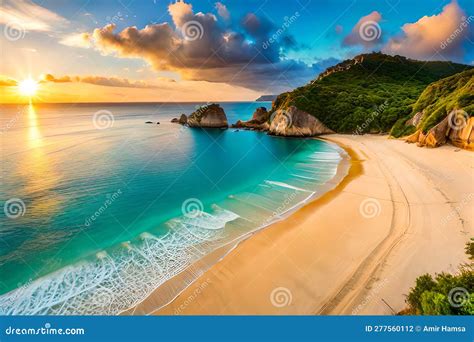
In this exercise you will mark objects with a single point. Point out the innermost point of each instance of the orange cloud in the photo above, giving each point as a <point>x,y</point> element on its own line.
<point>7,81</point>
<point>443,33</point>
<point>99,80</point>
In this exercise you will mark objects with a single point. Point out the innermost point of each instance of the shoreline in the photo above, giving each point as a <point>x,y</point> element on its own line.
<point>327,258</point>
<point>149,304</point>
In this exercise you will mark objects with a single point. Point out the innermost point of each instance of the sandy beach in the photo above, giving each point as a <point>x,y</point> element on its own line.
<point>402,211</point>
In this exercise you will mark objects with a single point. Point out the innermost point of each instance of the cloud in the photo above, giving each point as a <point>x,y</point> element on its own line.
<point>6,81</point>
<point>29,16</point>
<point>444,33</point>
<point>201,48</point>
<point>367,32</point>
<point>82,40</point>
<point>99,80</point>
<point>222,10</point>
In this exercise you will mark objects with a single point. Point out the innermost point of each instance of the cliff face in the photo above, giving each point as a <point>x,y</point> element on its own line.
<point>210,116</point>
<point>296,123</point>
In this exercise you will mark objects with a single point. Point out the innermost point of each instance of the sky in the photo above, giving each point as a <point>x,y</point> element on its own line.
<point>203,50</point>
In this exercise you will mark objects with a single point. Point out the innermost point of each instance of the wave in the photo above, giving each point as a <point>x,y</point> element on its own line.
<point>117,279</point>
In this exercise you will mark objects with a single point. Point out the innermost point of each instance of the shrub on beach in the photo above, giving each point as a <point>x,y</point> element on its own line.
<point>444,294</point>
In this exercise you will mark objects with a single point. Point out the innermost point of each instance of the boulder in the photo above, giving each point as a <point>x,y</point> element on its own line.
<point>183,119</point>
<point>462,133</point>
<point>258,122</point>
<point>209,116</point>
<point>260,115</point>
<point>297,123</point>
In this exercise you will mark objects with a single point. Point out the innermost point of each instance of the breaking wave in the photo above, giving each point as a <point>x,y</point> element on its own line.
<point>117,279</point>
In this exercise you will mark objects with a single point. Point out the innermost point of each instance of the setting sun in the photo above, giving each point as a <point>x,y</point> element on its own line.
<point>28,87</point>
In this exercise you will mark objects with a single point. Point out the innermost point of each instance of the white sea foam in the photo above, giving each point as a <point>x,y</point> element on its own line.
<point>119,279</point>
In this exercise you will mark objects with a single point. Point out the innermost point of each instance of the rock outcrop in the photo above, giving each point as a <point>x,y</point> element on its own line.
<point>209,116</point>
<point>183,119</point>
<point>259,121</point>
<point>455,128</point>
<point>296,123</point>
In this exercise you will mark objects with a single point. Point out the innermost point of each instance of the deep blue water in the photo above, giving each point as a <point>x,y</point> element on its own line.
<point>99,212</point>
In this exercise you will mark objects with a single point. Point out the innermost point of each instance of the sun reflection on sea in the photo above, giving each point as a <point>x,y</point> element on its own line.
<point>37,170</point>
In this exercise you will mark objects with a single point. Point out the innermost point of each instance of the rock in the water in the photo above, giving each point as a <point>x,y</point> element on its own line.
<point>260,115</point>
<point>259,120</point>
<point>295,122</point>
<point>210,116</point>
<point>183,119</point>
<point>158,123</point>
<point>148,122</point>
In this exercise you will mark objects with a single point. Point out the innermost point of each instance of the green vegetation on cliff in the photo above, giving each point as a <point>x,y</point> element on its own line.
<point>438,100</point>
<point>368,93</point>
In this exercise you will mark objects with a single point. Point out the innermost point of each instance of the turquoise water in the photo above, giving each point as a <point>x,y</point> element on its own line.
<point>99,213</point>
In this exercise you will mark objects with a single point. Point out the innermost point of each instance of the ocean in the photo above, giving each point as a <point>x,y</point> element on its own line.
<point>101,208</point>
